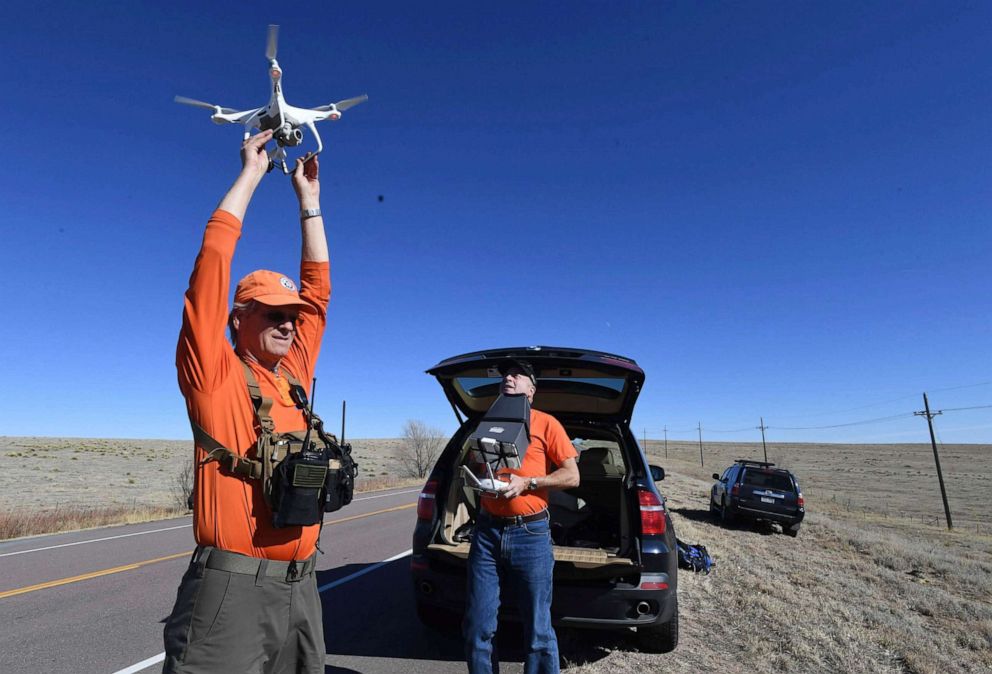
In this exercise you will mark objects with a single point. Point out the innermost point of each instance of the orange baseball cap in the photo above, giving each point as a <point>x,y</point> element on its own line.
<point>272,289</point>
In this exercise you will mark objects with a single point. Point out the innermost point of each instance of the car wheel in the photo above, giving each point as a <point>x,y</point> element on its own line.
<point>439,619</point>
<point>793,530</point>
<point>713,510</point>
<point>661,638</point>
<point>726,517</point>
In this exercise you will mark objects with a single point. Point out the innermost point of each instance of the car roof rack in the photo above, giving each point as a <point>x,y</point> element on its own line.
<point>749,462</point>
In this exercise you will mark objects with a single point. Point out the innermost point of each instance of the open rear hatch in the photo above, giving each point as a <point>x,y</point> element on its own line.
<point>572,384</point>
<point>585,390</point>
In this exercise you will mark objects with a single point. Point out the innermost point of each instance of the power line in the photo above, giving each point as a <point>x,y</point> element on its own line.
<point>959,409</point>
<point>955,388</point>
<point>841,425</point>
<point>852,423</point>
<point>735,430</point>
<point>888,400</point>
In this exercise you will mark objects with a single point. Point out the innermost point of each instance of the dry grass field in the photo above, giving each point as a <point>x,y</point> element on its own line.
<point>54,484</point>
<point>850,594</point>
<point>869,480</point>
<point>873,583</point>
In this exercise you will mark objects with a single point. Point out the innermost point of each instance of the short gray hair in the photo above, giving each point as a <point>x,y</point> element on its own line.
<point>237,308</point>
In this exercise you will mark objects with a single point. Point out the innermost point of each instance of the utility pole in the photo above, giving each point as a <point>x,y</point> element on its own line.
<point>699,427</point>
<point>763,446</point>
<point>666,441</point>
<point>933,443</point>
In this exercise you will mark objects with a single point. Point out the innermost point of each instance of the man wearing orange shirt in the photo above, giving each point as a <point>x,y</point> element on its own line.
<point>511,541</point>
<point>248,601</point>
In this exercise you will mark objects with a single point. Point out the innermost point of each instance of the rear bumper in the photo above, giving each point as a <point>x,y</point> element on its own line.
<point>599,605</point>
<point>764,515</point>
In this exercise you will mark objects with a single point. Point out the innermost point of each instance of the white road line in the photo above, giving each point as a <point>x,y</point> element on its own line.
<point>392,493</point>
<point>137,667</point>
<point>155,659</point>
<point>95,540</point>
<point>367,569</point>
<point>155,531</point>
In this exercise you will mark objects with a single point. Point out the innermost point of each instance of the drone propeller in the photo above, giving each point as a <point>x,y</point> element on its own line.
<point>272,42</point>
<point>201,104</point>
<point>341,106</point>
<point>351,102</point>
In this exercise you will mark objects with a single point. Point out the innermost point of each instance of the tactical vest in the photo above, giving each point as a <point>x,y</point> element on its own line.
<point>298,482</point>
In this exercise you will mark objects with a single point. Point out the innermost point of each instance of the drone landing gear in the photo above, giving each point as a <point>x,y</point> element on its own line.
<point>278,158</point>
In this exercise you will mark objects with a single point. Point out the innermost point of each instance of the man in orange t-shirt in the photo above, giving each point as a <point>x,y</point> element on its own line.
<point>512,540</point>
<point>248,601</point>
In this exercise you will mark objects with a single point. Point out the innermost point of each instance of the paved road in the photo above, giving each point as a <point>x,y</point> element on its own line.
<point>95,601</point>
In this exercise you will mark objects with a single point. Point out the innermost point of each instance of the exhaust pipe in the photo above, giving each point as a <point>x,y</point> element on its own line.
<point>643,608</point>
<point>426,587</point>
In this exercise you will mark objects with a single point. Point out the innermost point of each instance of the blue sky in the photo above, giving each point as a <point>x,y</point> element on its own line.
<point>777,209</point>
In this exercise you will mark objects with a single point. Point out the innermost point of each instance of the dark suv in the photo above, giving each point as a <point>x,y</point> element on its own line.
<point>613,540</point>
<point>756,490</point>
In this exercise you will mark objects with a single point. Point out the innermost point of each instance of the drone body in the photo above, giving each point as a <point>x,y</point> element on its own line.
<point>488,485</point>
<point>285,120</point>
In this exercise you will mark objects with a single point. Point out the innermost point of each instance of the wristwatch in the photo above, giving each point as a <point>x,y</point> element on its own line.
<point>309,213</point>
<point>532,485</point>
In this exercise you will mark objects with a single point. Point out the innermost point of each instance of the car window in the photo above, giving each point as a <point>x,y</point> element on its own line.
<point>602,451</point>
<point>608,388</point>
<point>768,480</point>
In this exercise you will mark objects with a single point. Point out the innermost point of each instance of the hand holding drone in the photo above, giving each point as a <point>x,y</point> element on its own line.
<point>489,485</point>
<point>254,158</point>
<point>284,120</point>
<point>306,181</point>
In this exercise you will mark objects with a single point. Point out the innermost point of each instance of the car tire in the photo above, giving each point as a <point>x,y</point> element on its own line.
<point>714,513</point>
<point>661,638</point>
<point>438,619</point>
<point>726,517</point>
<point>793,530</point>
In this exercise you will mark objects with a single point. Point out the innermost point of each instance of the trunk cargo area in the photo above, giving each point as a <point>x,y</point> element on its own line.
<point>590,524</point>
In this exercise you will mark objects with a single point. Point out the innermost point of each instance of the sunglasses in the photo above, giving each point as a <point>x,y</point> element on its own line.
<point>279,317</point>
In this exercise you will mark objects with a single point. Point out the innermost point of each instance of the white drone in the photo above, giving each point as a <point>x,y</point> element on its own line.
<point>283,119</point>
<point>489,485</point>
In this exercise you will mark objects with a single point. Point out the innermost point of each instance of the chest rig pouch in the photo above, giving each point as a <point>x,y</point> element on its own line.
<point>304,473</point>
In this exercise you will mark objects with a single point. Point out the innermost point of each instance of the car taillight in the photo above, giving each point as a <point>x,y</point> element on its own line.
<point>800,501</point>
<point>652,513</point>
<point>651,585</point>
<point>735,490</point>
<point>425,504</point>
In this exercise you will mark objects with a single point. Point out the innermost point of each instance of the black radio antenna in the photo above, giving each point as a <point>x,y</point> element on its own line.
<point>344,411</point>
<point>309,412</point>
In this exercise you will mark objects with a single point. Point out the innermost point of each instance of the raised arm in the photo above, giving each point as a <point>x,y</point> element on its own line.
<point>201,341</point>
<point>306,182</point>
<point>254,164</point>
<point>315,280</point>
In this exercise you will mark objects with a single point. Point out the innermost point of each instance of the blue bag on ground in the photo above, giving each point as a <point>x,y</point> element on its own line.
<point>694,557</point>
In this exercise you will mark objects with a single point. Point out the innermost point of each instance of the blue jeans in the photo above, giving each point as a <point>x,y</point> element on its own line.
<point>521,556</point>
